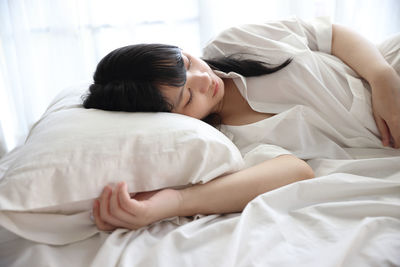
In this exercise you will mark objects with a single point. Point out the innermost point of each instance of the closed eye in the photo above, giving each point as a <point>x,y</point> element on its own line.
<point>190,97</point>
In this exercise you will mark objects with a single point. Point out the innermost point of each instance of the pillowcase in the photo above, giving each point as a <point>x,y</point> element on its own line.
<point>71,153</point>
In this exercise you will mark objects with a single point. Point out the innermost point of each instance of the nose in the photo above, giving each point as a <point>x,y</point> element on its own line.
<point>200,81</point>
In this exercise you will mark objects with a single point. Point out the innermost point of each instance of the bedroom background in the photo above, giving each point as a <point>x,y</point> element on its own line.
<point>48,45</point>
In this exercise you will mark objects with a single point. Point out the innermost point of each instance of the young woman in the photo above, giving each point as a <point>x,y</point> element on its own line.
<point>328,90</point>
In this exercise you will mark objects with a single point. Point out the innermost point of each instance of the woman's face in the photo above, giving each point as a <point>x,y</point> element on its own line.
<point>202,93</point>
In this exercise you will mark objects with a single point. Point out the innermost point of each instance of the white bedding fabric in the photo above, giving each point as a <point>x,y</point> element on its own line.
<point>348,218</point>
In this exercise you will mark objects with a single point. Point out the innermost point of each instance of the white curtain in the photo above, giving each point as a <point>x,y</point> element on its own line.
<point>47,45</point>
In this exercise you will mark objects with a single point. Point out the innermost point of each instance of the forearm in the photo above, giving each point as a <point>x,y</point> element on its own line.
<point>231,193</point>
<point>359,53</point>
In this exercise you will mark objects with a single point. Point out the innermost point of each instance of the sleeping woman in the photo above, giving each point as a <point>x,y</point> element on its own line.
<point>295,90</point>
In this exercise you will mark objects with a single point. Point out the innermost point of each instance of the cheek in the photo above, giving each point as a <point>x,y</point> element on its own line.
<point>199,108</point>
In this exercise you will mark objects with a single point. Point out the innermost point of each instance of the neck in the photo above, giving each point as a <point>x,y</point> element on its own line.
<point>228,103</point>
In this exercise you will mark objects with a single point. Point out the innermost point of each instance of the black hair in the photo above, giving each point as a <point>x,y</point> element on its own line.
<point>129,78</point>
<point>245,67</point>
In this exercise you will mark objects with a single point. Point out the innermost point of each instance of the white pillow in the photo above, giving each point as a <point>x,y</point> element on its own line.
<point>71,153</point>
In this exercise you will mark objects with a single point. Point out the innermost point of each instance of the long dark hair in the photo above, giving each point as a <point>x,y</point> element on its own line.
<point>128,78</point>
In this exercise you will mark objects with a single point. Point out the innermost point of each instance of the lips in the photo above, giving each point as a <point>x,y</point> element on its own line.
<point>215,88</point>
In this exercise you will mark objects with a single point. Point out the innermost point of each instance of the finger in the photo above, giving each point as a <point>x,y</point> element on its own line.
<point>119,213</point>
<point>103,203</point>
<point>105,211</point>
<point>101,225</point>
<point>132,206</point>
<point>127,203</point>
<point>383,129</point>
<point>113,203</point>
<point>394,128</point>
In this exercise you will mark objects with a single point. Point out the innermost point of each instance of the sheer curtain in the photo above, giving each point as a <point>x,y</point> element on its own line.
<point>47,45</point>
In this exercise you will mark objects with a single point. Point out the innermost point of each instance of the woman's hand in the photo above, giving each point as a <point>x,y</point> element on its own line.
<point>118,209</point>
<point>386,106</point>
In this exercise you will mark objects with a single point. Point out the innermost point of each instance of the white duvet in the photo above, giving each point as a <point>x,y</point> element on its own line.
<point>348,216</point>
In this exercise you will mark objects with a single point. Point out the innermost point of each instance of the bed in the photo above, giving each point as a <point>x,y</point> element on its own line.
<point>349,215</point>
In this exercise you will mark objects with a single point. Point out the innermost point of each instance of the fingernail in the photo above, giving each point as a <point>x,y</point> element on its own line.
<point>385,143</point>
<point>107,190</point>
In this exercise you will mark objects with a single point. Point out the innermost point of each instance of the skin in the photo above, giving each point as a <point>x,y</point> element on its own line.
<point>231,193</point>
<point>202,93</point>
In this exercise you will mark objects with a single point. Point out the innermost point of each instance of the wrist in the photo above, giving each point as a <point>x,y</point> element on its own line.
<point>186,205</point>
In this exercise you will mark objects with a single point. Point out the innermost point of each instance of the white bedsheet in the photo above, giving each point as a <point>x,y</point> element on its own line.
<point>349,216</point>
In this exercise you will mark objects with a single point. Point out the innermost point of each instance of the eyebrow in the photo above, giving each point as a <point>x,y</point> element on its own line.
<point>190,62</point>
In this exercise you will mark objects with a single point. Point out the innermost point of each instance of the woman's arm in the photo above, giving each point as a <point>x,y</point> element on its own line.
<point>226,194</point>
<point>232,193</point>
<point>363,57</point>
